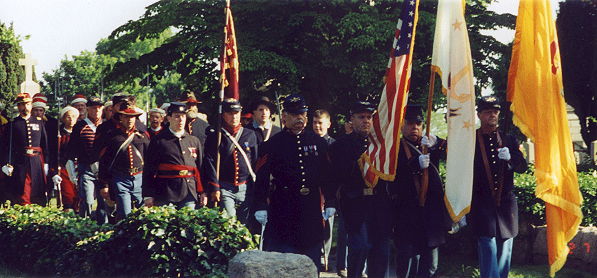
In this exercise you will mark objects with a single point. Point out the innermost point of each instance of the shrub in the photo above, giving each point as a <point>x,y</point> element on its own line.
<point>151,242</point>
<point>162,242</point>
<point>33,236</point>
<point>534,208</point>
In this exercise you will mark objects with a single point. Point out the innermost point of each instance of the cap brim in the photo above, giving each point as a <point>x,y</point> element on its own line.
<point>296,111</point>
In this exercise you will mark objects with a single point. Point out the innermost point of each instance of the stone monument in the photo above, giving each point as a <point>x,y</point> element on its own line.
<point>29,86</point>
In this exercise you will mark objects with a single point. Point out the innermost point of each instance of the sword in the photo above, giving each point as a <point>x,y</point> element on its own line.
<point>58,187</point>
<point>10,147</point>
<point>261,237</point>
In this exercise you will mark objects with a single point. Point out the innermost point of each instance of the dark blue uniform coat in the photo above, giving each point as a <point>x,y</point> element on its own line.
<point>425,226</point>
<point>169,149</point>
<point>26,133</point>
<point>486,218</point>
<point>288,163</point>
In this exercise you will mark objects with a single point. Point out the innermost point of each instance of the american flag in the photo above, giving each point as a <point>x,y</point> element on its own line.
<point>379,161</point>
<point>229,62</point>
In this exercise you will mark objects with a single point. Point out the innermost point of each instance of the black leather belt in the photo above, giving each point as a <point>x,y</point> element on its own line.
<point>131,171</point>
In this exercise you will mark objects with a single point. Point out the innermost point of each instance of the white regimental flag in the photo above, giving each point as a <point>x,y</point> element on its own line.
<point>452,61</point>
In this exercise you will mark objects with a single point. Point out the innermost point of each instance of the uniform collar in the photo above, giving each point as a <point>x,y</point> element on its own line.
<point>179,134</point>
<point>267,125</point>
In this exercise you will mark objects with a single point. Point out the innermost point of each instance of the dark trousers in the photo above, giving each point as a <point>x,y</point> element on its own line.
<point>341,244</point>
<point>414,261</point>
<point>313,252</point>
<point>368,222</point>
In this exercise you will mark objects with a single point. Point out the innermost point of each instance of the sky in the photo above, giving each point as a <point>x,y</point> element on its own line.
<point>60,28</point>
<point>66,27</point>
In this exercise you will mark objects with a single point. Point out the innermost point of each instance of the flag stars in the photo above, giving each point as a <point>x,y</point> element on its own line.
<point>412,2</point>
<point>457,25</point>
<point>411,13</point>
<point>467,124</point>
<point>410,24</point>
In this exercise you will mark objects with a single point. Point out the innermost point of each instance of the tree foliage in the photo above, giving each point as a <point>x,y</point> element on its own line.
<point>577,31</point>
<point>85,74</point>
<point>11,73</point>
<point>333,52</point>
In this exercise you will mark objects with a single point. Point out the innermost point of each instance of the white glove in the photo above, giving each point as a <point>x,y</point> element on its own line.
<point>261,216</point>
<point>424,161</point>
<point>328,212</point>
<point>56,179</point>
<point>429,142</point>
<point>46,168</point>
<point>504,153</point>
<point>7,169</point>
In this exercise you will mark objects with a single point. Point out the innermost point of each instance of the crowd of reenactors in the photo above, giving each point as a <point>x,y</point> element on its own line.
<point>286,181</point>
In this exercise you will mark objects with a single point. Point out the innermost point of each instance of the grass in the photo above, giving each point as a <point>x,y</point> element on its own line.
<point>455,266</point>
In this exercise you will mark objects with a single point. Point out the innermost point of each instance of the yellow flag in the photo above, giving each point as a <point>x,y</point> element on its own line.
<point>535,90</point>
<point>452,61</point>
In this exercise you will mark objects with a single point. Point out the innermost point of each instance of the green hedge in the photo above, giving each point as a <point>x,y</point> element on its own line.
<point>33,237</point>
<point>534,208</point>
<point>151,242</point>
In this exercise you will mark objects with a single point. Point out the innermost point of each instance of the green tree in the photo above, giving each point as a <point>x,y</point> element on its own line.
<point>577,31</point>
<point>11,73</point>
<point>333,52</point>
<point>85,74</point>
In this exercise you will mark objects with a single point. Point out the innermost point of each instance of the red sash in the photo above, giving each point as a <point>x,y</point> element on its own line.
<point>184,171</point>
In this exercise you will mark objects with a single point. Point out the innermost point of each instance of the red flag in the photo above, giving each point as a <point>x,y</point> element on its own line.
<point>229,62</point>
<point>381,157</point>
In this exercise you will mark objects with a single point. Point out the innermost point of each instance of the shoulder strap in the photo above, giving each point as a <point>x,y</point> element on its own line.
<point>122,147</point>
<point>241,150</point>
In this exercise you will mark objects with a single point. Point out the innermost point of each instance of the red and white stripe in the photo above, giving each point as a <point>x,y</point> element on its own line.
<point>381,157</point>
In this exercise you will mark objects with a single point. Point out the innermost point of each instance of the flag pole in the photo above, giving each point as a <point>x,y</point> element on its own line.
<point>221,98</point>
<point>425,178</point>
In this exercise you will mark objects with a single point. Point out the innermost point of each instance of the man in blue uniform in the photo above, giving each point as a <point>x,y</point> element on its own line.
<point>494,211</point>
<point>421,221</point>
<point>24,152</point>
<point>238,154</point>
<point>366,212</point>
<point>171,174</point>
<point>290,202</point>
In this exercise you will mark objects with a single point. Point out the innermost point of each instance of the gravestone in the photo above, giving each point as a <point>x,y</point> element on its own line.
<point>577,141</point>
<point>582,249</point>
<point>29,86</point>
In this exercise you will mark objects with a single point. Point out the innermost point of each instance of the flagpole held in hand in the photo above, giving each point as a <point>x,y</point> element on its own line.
<point>425,178</point>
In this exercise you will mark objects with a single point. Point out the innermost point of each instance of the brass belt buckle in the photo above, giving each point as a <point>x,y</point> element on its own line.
<point>305,191</point>
<point>133,170</point>
<point>183,172</point>
<point>29,151</point>
<point>368,191</point>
